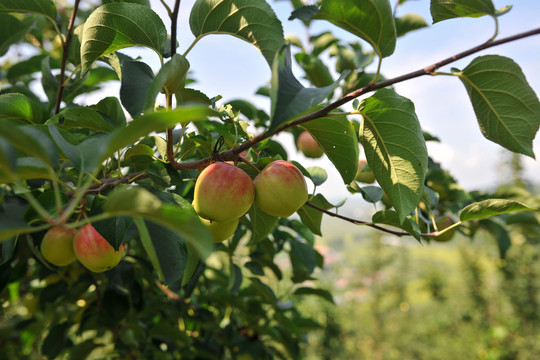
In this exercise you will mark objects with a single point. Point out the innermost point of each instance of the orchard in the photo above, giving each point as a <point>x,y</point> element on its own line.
<point>163,222</point>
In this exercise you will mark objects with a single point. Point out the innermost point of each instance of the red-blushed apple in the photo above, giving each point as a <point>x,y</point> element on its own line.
<point>93,251</point>
<point>223,192</point>
<point>309,146</point>
<point>364,176</point>
<point>57,246</point>
<point>221,230</point>
<point>280,189</point>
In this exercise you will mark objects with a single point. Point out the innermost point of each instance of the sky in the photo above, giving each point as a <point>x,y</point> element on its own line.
<point>227,66</point>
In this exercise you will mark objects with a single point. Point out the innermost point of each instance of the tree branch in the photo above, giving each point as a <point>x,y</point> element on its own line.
<point>231,154</point>
<point>65,49</point>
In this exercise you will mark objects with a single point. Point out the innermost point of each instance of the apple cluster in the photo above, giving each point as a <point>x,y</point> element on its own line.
<point>62,247</point>
<point>224,193</point>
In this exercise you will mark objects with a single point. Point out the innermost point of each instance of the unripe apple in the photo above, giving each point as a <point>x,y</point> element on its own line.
<point>57,246</point>
<point>309,146</point>
<point>364,176</point>
<point>443,223</point>
<point>93,251</point>
<point>280,189</point>
<point>220,230</point>
<point>223,192</point>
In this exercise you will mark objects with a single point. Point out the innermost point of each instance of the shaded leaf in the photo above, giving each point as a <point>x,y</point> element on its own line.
<point>20,107</point>
<point>311,217</point>
<point>251,20</point>
<point>371,20</point>
<point>408,23</point>
<point>317,175</point>
<point>507,108</point>
<point>41,7</point>
<point>12,30</point>
<point>337,137</point>
<point>115,26</point>
<point>490,207</point>
<point>390,217</point>
<point>325,294</point>
<point>137,78</point>
<point>499,233</point>
<point>261,224</point>
<point>449,9</point>
<point>80,117</point>
<point>31,141</point>
<point>170,78</point>
<point>395,148</point>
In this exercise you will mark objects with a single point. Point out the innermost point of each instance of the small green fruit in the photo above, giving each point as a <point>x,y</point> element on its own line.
<point>366,177</point>
<point>309,146</point>
<point>443,223</point>
<point>280,189</point>
<point>57,246</point>
<point>93,251</point>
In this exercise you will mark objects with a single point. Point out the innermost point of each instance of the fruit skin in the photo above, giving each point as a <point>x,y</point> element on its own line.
<point>93,251</point>
<point>57,246</point>
<point>364,176</point>
<point>280,189</point>
<point>223,192</point>
<point>221,231</point>
<point>309,146</point>
<point>443,223</point>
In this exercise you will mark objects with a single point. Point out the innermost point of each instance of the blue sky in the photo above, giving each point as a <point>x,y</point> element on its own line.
<point>232,68</point>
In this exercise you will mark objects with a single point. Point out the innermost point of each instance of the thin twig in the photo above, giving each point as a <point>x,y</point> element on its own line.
<point>174,24</point>
<point>65,50</point>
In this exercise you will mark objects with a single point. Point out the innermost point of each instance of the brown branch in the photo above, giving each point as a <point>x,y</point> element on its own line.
<point>356,222</point>
<point>65,49</point>
<point>231,154</point>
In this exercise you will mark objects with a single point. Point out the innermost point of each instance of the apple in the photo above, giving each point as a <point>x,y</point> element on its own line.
<point>442,223</point>
<point>223,192</point>
<point>280,189</point>
<point>309,146</point>
<point>57,246</point>
<point>93,251</point>
<point>364,176</point>
<point>221,230</point>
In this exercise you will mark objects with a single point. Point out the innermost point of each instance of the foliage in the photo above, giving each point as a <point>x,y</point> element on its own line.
<point>128,166</point>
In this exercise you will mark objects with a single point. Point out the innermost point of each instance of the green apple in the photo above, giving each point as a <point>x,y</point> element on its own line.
<point>364,176</point>
<point>57,246</point>
<point>223,192</point>
<point>442,223</point>
<point>280,189</point>
<point>221,230</point>
<point>93,251</point>
<point>308,145</point>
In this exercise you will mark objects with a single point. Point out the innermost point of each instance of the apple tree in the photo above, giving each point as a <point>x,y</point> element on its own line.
<point>163,222</point>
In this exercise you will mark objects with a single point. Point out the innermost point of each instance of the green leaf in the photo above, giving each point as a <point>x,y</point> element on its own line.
<point>56,340</point>
<point>20,107</point>
<point>325,294</point>
<point>390,217</point>
<point>500,234</point>
<point>170,78</point>
<point>251,20</point>
<point>262,224</point>
<point>449,9</point>
<point>112,110</point>
<point>154,122</point>
<point>26,168</point>
<point>289,97</point>
<point>490,207</point>
<point>80,117</point>
<point>303,259</point>
<point>31,141</point>
<point>336,136</point>
<point>316,71</point>
<point>371,20</point>
<point>318,175</point>
<point>12,219</point>
<point>137,77</point>
<point>311,217</point>
<point>8,156</point>
<point>395,148</point>
<point>115,26</point>
<point>408,23</point>
<point>12,30</point>
<point>507,108</point>
<point>181,219</point>
<point>41,7</point>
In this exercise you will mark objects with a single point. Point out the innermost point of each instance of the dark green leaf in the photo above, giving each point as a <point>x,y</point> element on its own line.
<point>31,141</point>
<point>317,72</point>
<point>170,78</point>
<point>137,77</point>
<point>56,340</point>
<point>261,224</point>
<point>500,234</point>
<point>7,247</point>
<point>311,217</point>
<point>304,13</point>
<point>289,97</point>
<point>318,175</point>
<point>251,20</point>
<point>42,7</point>
<point>80,117</point>
<point>12,30</point>
<point>395,148</point>
<point>235,278</point>
<point>19,107</point>
<point>181,219</point>
<point>325,294</point>
<point>490,207</point>
<point>408,23</point>
<point>303,259</point>
<point>507,108</point>
<point>336,136</point>
<point>371,20</point>
<point>111,108</point>
<point>390,217</point>
<point>449,9</point>
<point>115,26</point>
